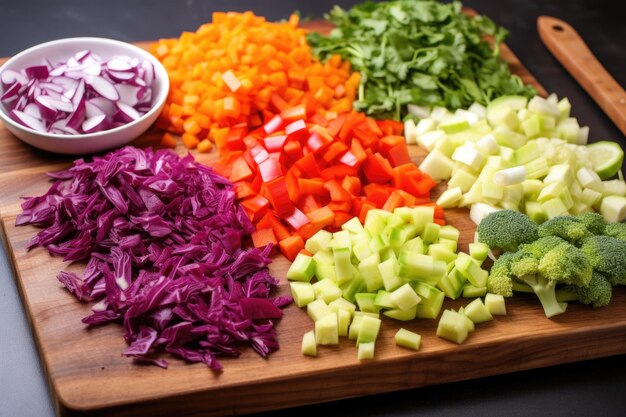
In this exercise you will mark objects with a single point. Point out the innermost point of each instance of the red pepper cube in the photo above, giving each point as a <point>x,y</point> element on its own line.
<point>377,169</point>
<point>255,206</point>
<point>297,219</point>
<point>293,150</point>
<point>349,159</point>
<point>279,196</point>
<point>241,170</point>
<point>275,143</point>
<point>297,130</point>
<point>316,142</point>
<point>270,169</point>
<point>273,125</point>
<point>259,153</point>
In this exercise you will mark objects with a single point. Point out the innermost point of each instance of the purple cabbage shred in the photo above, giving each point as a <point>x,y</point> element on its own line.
<point>162,237</point>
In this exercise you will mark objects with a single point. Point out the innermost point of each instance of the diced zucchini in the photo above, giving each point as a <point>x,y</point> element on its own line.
<point>408,339</point>
<point>302,268</point>
<point>302,293</point>
<point>495,304</point>
<point>309,345</point>
<point>326,330</point>
<point>477,312</point>
<point>366,351</point>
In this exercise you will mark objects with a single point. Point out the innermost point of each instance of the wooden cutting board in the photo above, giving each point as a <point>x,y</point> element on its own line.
<point>88,376</point>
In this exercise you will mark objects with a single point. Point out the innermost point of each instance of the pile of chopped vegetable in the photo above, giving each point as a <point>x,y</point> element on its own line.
<point>520,154</point>
<point>163,239</point>
<point>418,52</point>
<point>568,258</point>
<point>300,173</point>
<point>240,70</point>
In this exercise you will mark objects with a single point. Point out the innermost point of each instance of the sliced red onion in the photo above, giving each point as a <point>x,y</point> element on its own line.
<point>77,118</point>
<point>38,71</point>
<point>62,127</point>
<point>51,87</point>
<point>129,94</point>
<point>33,110</point>
<point>119,65</point>
<point>92,110</point>
<point>107,106</point>
<point>21,103</point>
<point>28,120</point>
<point>58,71</point>
<point>94,124</point>
<point>103,87</point>
<point>66,82</point>
<point>84,94</point>
<point>126,113</point>
<point>11,93</point>
<point>120,76</point>
<point>81,55</point>
<point>93,69</point>
<point>9,77</point>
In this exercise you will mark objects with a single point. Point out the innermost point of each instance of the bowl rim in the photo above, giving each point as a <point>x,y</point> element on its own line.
<point>157,103</point>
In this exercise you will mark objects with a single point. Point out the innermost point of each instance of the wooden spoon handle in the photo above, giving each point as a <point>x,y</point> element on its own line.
<point>572,52</point>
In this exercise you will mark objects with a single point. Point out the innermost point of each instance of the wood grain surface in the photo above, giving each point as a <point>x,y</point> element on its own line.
<point>574,54</point>
<point>89,377</point>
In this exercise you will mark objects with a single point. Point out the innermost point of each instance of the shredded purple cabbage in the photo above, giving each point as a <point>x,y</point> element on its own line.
<point>162,236</point>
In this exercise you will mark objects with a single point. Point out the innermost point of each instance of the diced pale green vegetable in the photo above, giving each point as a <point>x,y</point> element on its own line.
<point>302,293</point>
<point>309,345</point>
<point>408,339</point>
<point>366,351</point>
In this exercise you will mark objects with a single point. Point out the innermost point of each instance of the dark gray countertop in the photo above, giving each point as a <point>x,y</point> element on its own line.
<point>592,388</point>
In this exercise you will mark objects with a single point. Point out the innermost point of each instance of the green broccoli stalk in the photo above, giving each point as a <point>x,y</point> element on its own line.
<point>568,228</point>
<point>506,230</point>
<point>607,255</point>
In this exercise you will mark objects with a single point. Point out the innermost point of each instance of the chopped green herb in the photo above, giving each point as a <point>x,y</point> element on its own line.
<point>419,52</point>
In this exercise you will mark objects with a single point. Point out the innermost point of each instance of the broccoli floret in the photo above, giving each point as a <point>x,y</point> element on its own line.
<point>546,263</point>
<point>506,230</point>
<point>565,227</point>
<point>607,255</point>
<point>566,264</point>
<point>499,280</point>
<point>598,292</point>
<point>593,221</point>
<point>542,245</point>
<point>616,230</point>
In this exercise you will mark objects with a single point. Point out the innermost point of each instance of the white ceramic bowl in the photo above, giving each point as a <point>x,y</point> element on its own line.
<point>61,50</point>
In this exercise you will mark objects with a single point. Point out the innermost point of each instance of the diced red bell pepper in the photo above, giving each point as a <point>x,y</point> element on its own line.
<point>377,169</point>
<point>297,130</point>
<point>263,237</point>
<point>270,169</point>
<point>241,170</point>
<point>279,196</point>
<point>337,192</point>
<point>274,125</point>
<point>297,219</point>
<point>275,143</point>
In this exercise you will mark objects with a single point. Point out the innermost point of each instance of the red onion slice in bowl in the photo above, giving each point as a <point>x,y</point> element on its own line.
<point>92,110</point>
<point>11,93</point>
<point>107,106</point>
<point>9,77</point>
<point>103,87</point>
<point>125,113</point>
<point>37,71</point>
<point>94,124</point>
<point>28,120</point>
